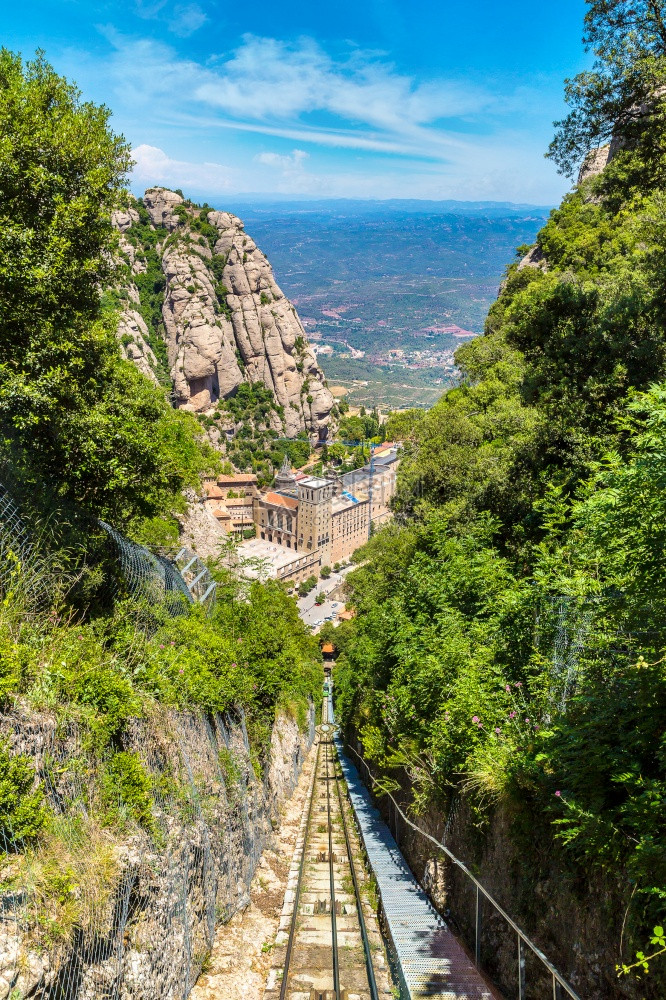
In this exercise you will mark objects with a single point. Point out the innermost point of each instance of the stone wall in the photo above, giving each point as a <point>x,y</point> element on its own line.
<point>580,924</point>
<point>88,913</point>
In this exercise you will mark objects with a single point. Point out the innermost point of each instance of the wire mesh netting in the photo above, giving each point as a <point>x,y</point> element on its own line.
<point>575,634</point>
<point>108,902</point>
<point>21,566</point>
<point>87,912</point>
<point>173,583</point>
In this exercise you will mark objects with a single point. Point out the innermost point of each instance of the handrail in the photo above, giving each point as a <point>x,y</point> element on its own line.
<point>559,983</point>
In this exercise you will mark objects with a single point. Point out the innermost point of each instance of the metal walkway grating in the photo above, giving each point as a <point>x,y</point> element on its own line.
<point>429,958</point>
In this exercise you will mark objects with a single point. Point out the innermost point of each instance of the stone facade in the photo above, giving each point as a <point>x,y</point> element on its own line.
<point>230,500</point>
<point>328,518</point>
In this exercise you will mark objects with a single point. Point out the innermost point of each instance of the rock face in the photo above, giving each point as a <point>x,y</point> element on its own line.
<point>145,903</point>
<point>226,321</point>
<point>594,162</point>
<point>132,330</point>
<point>534,258</point>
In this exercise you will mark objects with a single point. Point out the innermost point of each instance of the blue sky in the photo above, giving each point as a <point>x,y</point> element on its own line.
<point>360,99</point>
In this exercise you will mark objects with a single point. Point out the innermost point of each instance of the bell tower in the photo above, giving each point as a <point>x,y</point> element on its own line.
<point>314,516</point>
<point>285,481</point>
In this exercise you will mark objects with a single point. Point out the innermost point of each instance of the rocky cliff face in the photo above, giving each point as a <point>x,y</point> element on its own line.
<point>132,329</point>
<point>224,320</point>
<point>93,913</point>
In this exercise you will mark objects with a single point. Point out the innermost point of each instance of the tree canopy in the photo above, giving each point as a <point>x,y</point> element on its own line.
<point>622,96</point>
<point>76,421</point>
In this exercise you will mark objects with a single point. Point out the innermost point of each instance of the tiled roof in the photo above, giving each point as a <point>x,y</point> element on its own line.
<point>281,501</point>
<point>240,477</point>
<point>214,492</point>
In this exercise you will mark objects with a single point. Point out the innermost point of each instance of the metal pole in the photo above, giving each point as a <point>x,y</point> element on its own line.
<point>477,948</point>
<point>557,989</point>
<point>521,970</point>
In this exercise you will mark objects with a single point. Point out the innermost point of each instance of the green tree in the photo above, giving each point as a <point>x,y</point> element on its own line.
<point>403,424</point>
<point>621,95</point>
<point>76,421</point>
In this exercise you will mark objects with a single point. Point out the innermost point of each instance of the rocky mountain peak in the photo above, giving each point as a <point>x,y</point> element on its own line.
<point>159,203</point>
<point>221,316</point>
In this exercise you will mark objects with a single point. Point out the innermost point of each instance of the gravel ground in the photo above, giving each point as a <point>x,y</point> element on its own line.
<point>241,955</point>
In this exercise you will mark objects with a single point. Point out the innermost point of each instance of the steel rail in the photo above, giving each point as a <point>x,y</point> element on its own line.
<point>331,873</point>
<point>297,892</point>
<point>372,982</point>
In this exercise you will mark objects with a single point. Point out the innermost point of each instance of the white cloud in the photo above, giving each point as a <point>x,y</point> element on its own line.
<point>284,163</point>
<point>486,178</point>
<point>186,19</point>
<point>148,9</point>
<point>182,20</point>
<point>273,87</point>
<point>416,138</point>
<point>154,166</point>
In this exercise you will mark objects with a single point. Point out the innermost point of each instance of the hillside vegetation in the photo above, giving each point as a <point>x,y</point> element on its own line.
<point>509,647</point>
<point>84,436</point>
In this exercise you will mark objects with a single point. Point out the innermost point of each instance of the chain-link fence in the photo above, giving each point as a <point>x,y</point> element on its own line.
<point>22,570</point>
<point>172,583</point>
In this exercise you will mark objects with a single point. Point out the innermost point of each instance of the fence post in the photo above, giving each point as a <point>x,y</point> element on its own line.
<point>521,970</point>
<point>557,989</point>
<point>477,948</point>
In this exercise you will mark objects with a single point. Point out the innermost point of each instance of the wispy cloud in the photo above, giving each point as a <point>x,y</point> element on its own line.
<point>186,19</point>
<point>333,125</point>
<point>293,162</point>
<point>182,19</point>
<point>279,88</point>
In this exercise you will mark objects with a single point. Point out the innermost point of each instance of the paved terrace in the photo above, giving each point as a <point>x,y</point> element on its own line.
<point>430,960</point>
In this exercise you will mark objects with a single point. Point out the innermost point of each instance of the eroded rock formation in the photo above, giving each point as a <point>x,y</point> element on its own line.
<point>225,319</point>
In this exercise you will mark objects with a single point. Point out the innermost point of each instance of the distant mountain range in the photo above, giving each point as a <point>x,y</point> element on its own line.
<point>353,206</point>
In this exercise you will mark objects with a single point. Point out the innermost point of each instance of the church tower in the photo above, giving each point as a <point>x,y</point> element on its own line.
<point>315,498</point>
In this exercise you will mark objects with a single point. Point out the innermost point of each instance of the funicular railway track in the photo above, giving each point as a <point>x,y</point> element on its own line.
<point>325,947</point>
